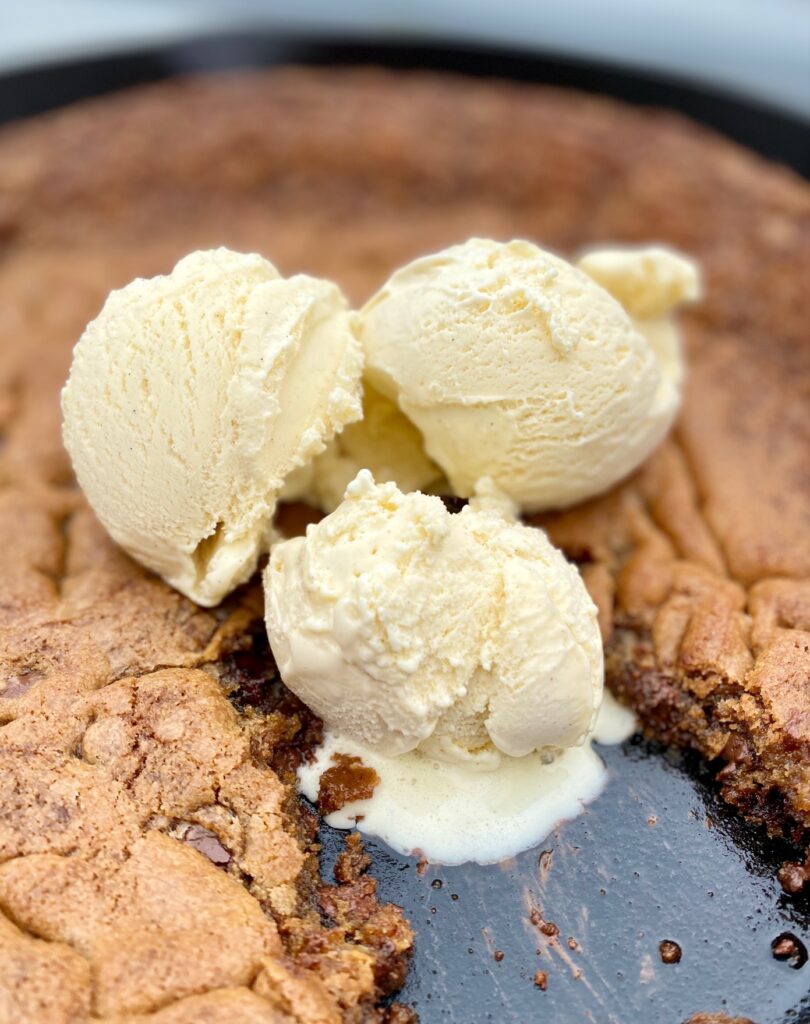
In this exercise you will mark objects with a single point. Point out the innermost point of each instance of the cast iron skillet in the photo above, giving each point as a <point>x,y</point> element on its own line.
<point>657,858</point>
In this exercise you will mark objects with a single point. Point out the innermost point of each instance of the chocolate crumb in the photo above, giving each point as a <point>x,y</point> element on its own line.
<point>670,951</point>
<point>498,954</point>
<point>454,896</point>
<point>436,883</point>
<point>572,943</point>
<point>549,928</point>
<point>541,980</point>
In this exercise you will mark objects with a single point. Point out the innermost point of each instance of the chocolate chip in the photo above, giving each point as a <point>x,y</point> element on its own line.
<point>737,750</point>
<point>20,684</point>
<point>206,843</point>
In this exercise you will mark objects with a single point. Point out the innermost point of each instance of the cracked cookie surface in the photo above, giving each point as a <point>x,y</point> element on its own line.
<point>153,865</point>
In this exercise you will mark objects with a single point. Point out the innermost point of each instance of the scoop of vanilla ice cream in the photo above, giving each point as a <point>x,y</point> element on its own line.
<point>651,282</point>
<point>190,399</point>
<point>405,626</point>
<point>384,441</point>
<point>516,365</point>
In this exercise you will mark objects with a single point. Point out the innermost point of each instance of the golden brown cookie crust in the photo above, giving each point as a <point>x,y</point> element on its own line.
<point>152,865</point>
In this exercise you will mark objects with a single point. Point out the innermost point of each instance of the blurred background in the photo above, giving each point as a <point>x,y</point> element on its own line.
<point>757,50</point>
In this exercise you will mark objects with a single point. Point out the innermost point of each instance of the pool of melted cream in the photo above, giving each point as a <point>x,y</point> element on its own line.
<point>454,813</point>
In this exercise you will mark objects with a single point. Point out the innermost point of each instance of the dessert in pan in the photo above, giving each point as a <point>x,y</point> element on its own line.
<point>464,639</point>
<point>539,393</point>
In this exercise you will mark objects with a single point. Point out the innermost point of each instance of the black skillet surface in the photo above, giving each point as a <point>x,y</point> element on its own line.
<point>657,858</point>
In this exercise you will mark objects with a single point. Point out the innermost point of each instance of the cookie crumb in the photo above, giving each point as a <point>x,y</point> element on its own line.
<point>793,876</point>
<point>789,948</point>
<point>347,780</point>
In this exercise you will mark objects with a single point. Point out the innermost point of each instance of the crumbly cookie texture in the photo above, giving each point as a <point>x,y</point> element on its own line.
<point>150,856</point>
<point>134,788</point>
